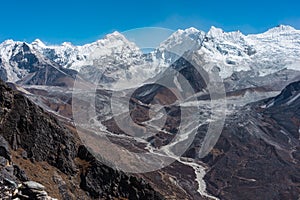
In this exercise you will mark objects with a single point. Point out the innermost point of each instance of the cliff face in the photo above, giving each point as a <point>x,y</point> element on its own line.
<point>35,146</point>
<point>26,126</point>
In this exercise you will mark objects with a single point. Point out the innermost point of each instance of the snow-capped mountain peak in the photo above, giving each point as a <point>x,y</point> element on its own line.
<point>284,32</point>
<point>7,42</point>
<point>8,48</point>
<point>220,34</point>
<point>281,29</point>
<point>67,44</point>
<point>215,32</point>
<point>181,41</point>
<point>113,40</point>
<point>228,50</point>
<point>115,36</point>
<point>38,43</point>
<point>188,31</point>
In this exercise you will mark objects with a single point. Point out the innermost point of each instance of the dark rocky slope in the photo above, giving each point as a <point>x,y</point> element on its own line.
<point>35,146</point>
<point>258,153</point>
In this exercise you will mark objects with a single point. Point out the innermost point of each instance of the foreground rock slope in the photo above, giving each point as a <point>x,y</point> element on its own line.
<point>35,146</point>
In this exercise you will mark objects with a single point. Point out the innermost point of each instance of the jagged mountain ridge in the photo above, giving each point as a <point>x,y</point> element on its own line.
<point>258,54</point>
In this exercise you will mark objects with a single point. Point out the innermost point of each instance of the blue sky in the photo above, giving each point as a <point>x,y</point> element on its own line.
<point>85,21</point>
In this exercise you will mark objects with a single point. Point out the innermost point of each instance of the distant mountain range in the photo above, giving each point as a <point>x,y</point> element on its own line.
<point>121,60</point>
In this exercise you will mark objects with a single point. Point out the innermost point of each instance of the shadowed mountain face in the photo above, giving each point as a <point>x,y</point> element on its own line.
<point>258,153</point>
<point>41,71</point>
<point>290,95</point>
<point>26,126</point>
<point>47,152</point>
<point>3,73</point>
<point>50,75</point>
<point>28,67</point>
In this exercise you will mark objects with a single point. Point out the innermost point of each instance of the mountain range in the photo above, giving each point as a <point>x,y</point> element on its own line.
<point>257,54</point>
<point>257,155</point>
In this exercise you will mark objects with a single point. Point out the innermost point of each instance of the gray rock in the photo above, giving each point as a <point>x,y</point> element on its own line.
<point>20,174</point>
<point>34,185</point>
<point>39,193</point>
<point>24,155</point>
<point>3,161</point>
<point>4,149</point>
